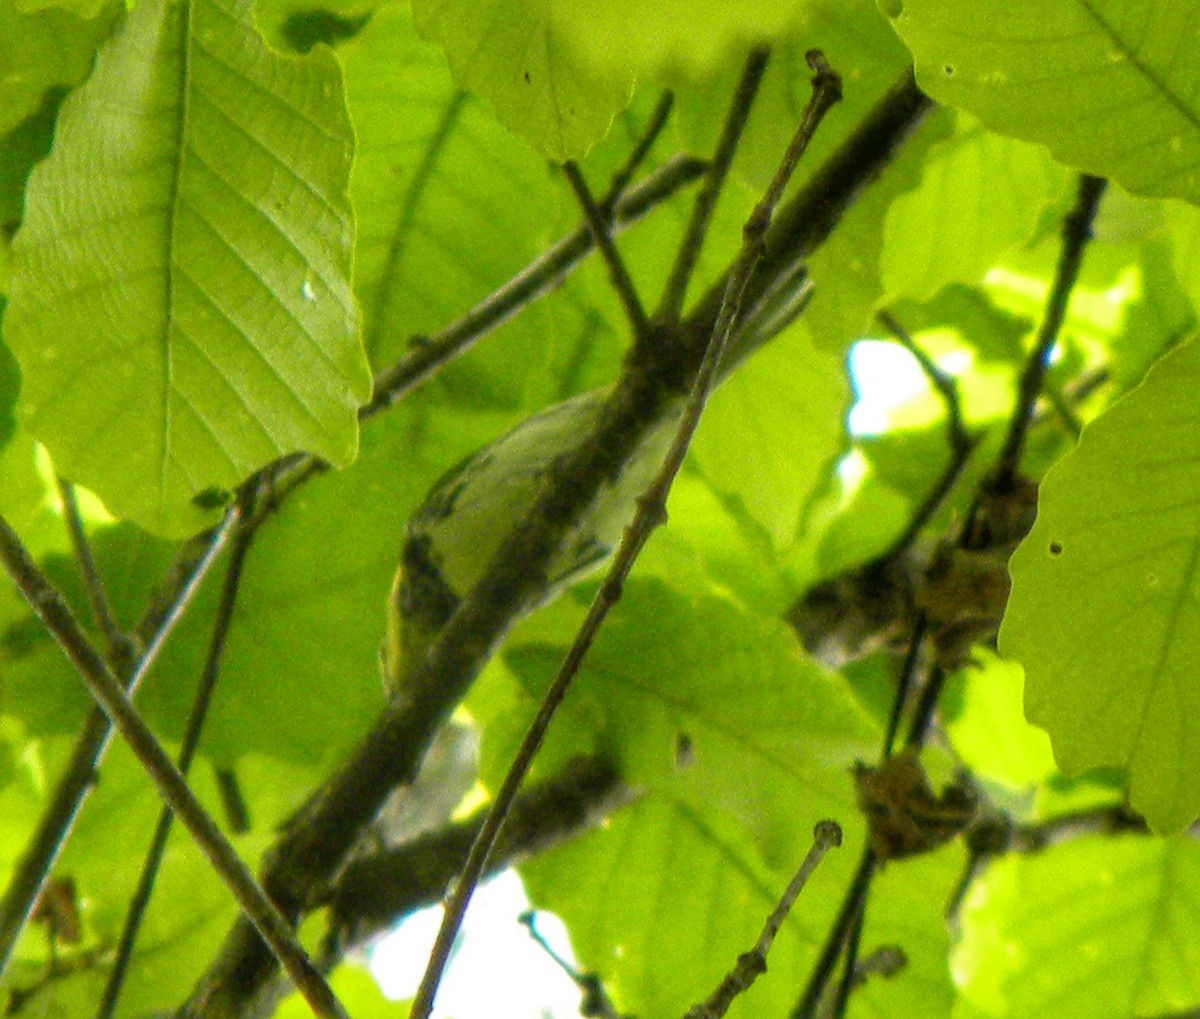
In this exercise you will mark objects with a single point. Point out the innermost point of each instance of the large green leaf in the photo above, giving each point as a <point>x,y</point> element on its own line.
<point>771,431</point>
<point>517,57</point>
<point>1107,85</point>
<point>1105,609</point>
<point>439,226</point>
<point>41,49</point>
<point>181,303</point>
<point>766,730</point>
<point>980,194</point>
<point>1096,929</point>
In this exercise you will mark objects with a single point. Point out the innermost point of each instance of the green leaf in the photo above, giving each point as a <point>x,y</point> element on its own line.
<point>771,431</point>
<point>1107,85</point>
<point>440,223</point>
<point>515,55</point>
<point>764,727</point>
<point>846,269</point>
<point>989,731</point>
<point>980,195</point>
<point>1159,315</point>
<point>180,302</point>
<point>42,49</point>
<point>1094,929</point>
<point>1105,609</point>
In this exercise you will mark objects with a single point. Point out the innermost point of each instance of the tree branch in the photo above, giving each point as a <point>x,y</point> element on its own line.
<point>119,647</point>
<point>95,735</point>
<point>191,741</point>
<point>752,964</point>
<point>688,254</point>
<point>300,867</point>
<point>1076,231</point>
<point>618,274</point>
<point>50,607</point>
<point>651,505</point>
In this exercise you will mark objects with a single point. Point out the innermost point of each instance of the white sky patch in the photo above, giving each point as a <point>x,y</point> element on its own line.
<point>885,378</point>
<point>496,968</point>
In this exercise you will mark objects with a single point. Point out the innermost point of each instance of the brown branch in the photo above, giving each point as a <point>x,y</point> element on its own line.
<point>119,647</point>
<point>187,752</point>
<point>599,228</point>
<point>1076,231</point>
<point>753,964</point>
<point>310,851</point>
<point>852,907</point>
<point>51,608</point>
<point>651,508</point>
<point>675,291</point>
<point>95,735</point>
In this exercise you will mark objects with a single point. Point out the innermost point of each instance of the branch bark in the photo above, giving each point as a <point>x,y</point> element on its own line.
<point>303,865</point>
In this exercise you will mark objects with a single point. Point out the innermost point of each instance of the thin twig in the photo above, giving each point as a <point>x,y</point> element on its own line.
<point>119,646</point>
<point>233,803</point>
<point>595,1003</point>
<point>50,607</point>
<point>309,852</point>
<point>542,276</point>
<point>618,274</point>
<point>831,951</point>
<point>651,512</point>
<point>752,964</point>
<point>923,713</point>
<point>841,995</point>
<point>191,741</point>
<point>906,683</point>
<point>93,741</point>
<point>961,442</point>
<point>675,291</point>
<point>649,135</point>
<point>1076,231</point>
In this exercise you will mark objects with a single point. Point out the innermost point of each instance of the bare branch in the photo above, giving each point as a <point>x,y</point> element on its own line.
<point>651,512</point>
<point>1077,230</point>
<point>191,741</point>
<point>752,964</point>
<point>852,907</point>
<point>675,291</point>
<point>119,646</point>
<point>618,274</point>
<point>95,735</point>
<point>50,607</point>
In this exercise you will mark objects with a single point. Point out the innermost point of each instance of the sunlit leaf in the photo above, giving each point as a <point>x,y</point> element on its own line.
<point>1107,85</point>
<point>1095,929</point>
<point>1105,609</point>
<point>180,301</point>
